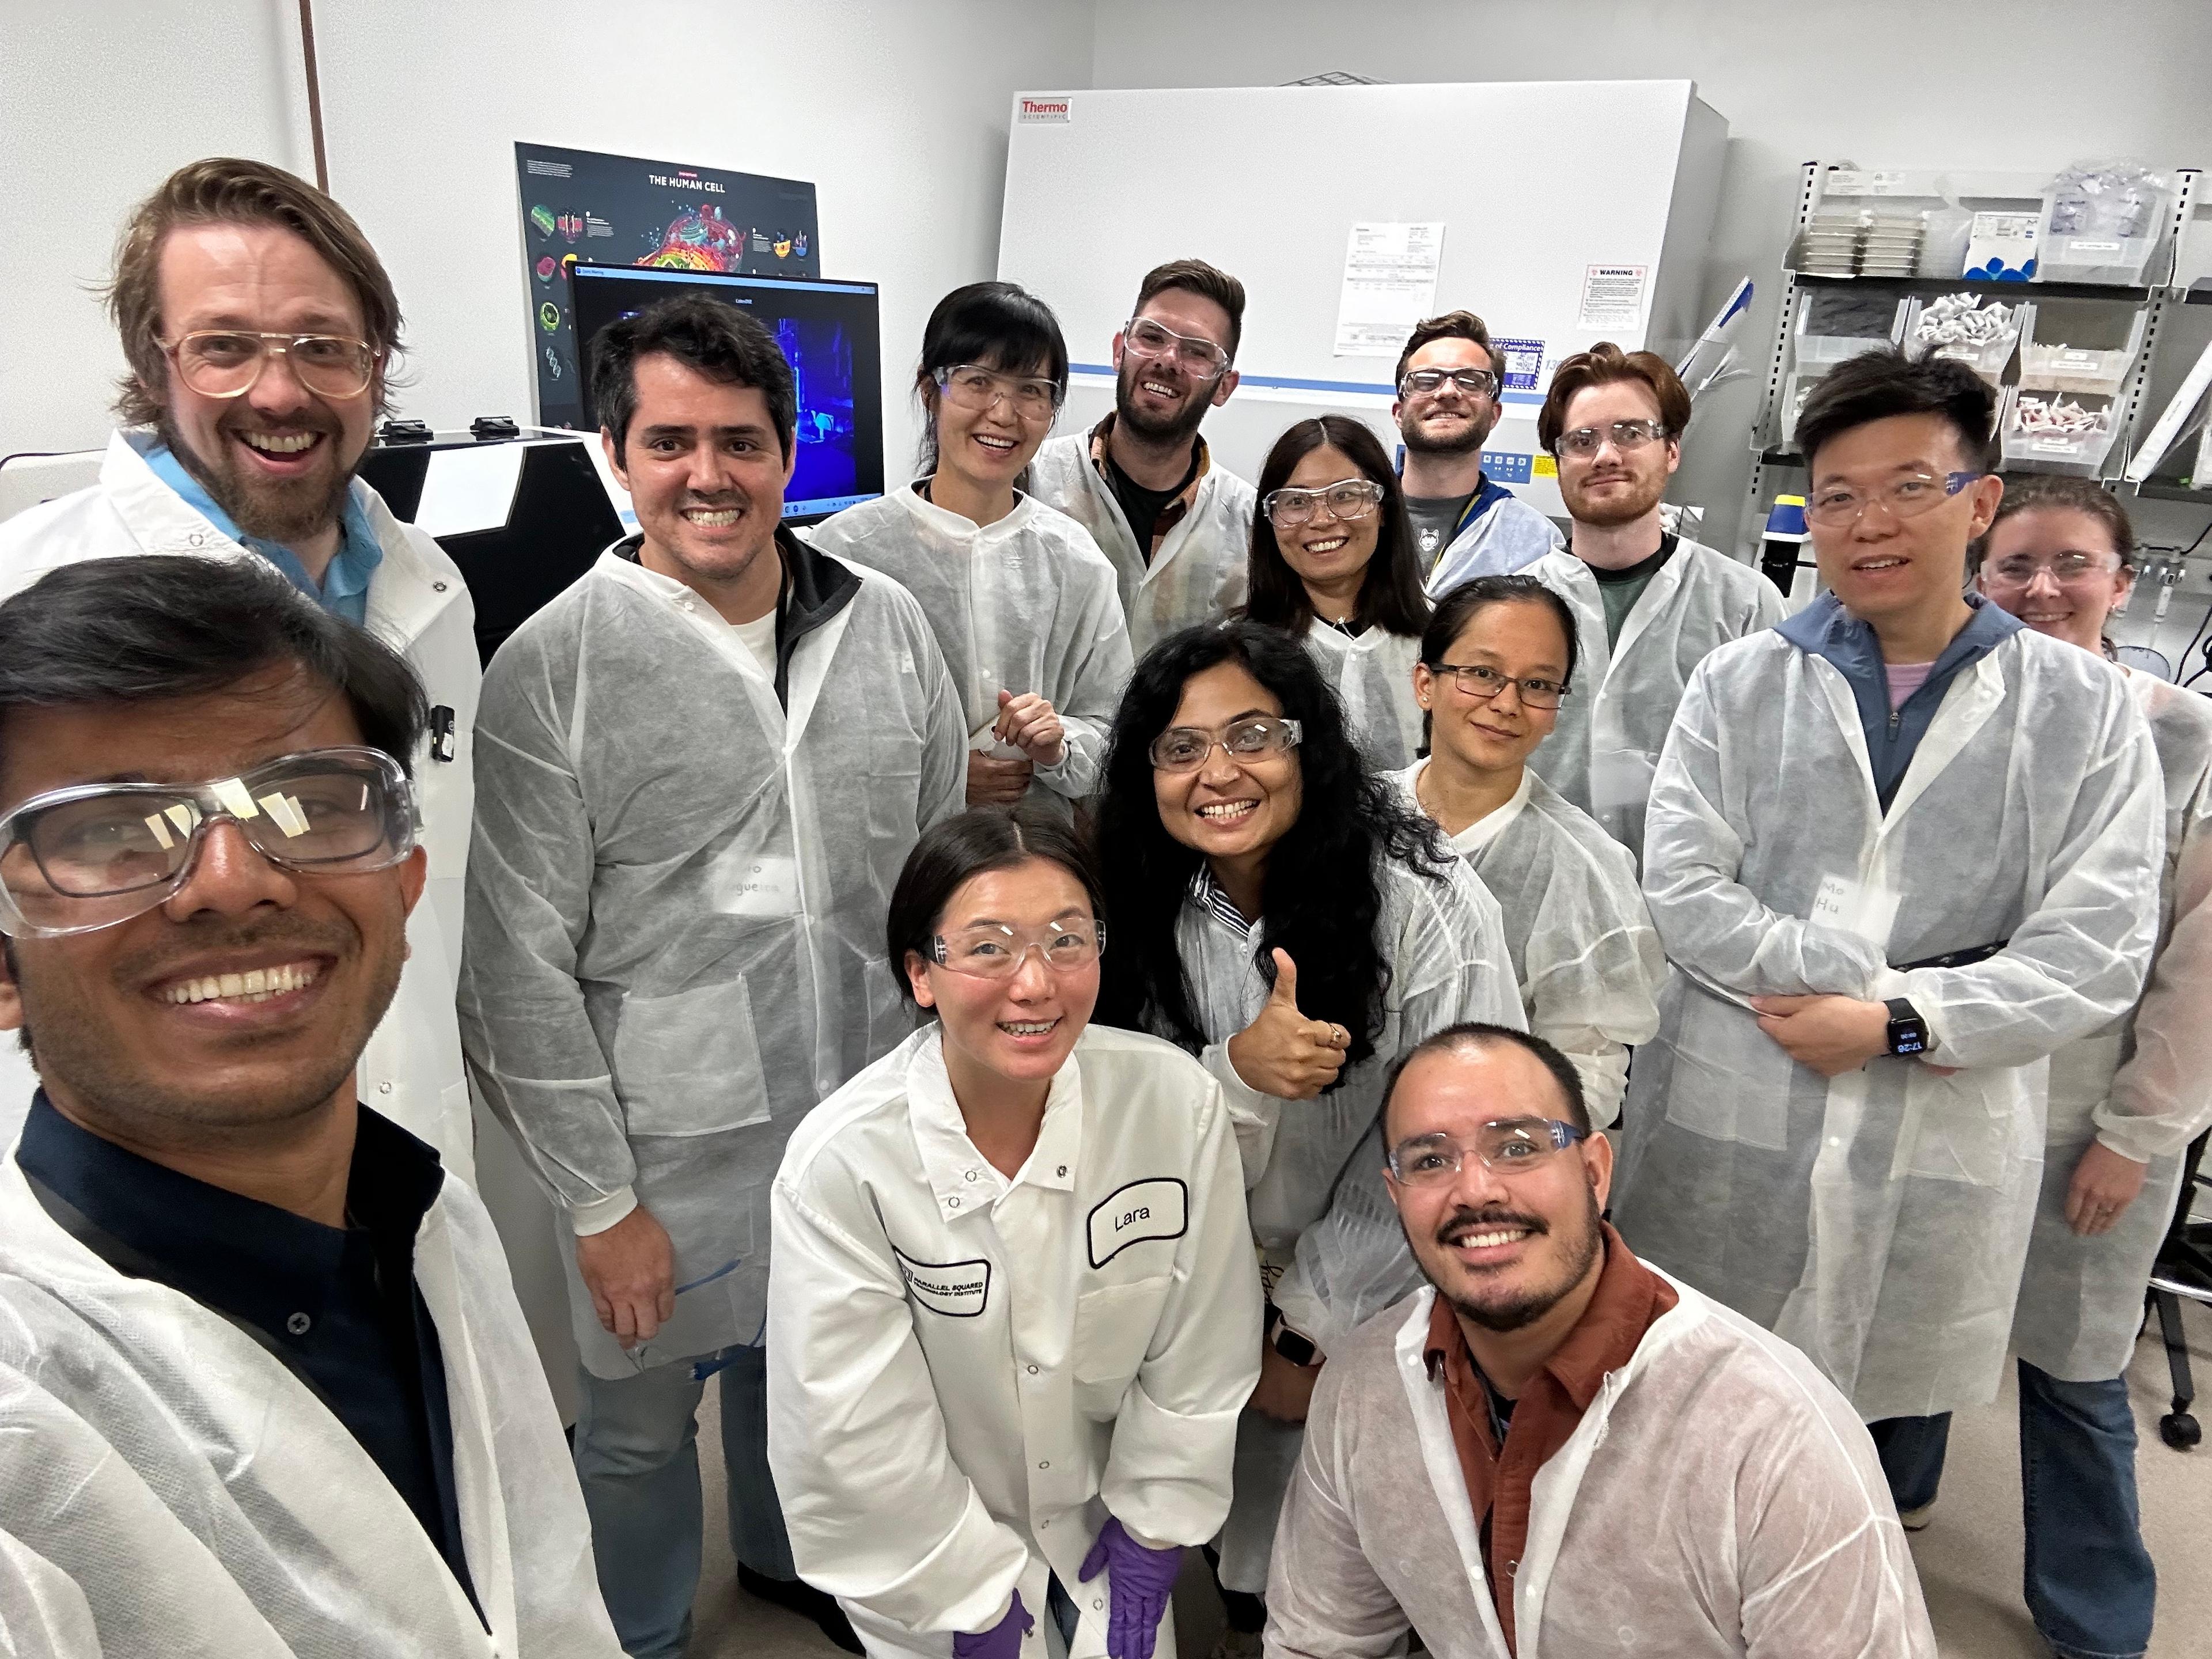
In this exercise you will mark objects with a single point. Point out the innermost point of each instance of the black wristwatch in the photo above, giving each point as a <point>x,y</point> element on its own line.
<point>1298,1350</point>
<point>1908,1032</point>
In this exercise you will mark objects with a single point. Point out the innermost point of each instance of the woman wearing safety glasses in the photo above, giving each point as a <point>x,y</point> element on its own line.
<point>1496,661</point>
<point>1023,602</point>
<point>1332,564</point>
<point>1281,913</point>
<point>2124,1105</point>
<point>1013,1301</point>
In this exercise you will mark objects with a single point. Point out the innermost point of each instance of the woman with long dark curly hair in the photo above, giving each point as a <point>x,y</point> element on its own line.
<point>1333,565</point>
<point>1281,913</point>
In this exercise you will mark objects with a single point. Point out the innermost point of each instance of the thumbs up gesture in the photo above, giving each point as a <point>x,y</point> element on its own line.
<point>1282,1053</point>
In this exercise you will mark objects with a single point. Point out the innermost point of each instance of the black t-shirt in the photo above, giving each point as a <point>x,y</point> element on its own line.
<point>1141,507</point>
<point>1434,519</point>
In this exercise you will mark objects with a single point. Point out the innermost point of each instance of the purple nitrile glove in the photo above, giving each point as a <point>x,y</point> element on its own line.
<point>1002,1641</point>
<point>1139,1578</point>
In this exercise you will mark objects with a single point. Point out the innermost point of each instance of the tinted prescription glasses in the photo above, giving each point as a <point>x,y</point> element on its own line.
<point>93,855</point>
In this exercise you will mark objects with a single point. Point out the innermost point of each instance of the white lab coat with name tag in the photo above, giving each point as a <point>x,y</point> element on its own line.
<point>1878,1219</point>
<point>1614,721</point>
<point>174,1486</point>
<point>967,1375</point>
<point>410,1070</point>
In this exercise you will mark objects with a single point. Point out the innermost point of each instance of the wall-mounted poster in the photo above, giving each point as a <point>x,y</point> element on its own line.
<point>577,204</point>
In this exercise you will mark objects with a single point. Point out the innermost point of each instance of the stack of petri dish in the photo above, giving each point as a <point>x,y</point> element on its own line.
<point>1891,246</point>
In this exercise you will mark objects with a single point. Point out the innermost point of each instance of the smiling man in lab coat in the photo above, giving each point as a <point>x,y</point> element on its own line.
<point>1554,1448</point>
<point>260,329</point>
<point>265,1388</point>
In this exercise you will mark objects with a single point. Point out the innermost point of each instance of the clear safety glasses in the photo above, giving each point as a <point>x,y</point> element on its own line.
<point>1348,502</point>
<point>997,951</point>
<point>1201,359</point>
<point>1508,1146</point>
<point>1583,442</point>
<point>2066,568</point>
<point>95,855</point>
<point>225,362</point>
<point>1184,748</point>
<point>1485,684</point>
<point>1427,382</point>
<point>970,386</point>
<point>1837,506</point>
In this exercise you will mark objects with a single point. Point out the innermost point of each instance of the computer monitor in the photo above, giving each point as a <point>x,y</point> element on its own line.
<point>828,333</point>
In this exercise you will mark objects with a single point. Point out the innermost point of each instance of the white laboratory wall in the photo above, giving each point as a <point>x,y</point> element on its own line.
<point>896,112</point>
<point>99,100</point>
<point>2030,84</point>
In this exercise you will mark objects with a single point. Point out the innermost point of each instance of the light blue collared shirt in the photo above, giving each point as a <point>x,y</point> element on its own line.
<point>344,590</point>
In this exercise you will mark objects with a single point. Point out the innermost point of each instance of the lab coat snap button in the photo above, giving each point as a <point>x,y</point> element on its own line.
<point>437,588</point>
<point>384,1088</point>
<point>1063,1168</point>
<point>1033,1371</point>
<point>298,1324</point>
<point>952,1203</point>
<point>1046,1464</point>
<point>971,1175</point>
<point>1100,1605</point>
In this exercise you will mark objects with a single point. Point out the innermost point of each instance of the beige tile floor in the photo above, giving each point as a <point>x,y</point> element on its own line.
<point>1969,1556</point>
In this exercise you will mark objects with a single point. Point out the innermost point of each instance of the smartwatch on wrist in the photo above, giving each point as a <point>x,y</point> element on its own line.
<point>1908,1032</point>
<point>1297,1349</point>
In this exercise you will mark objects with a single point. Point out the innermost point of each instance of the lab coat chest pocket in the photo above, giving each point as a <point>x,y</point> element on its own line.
<point>1113,1328</point>
<point>690,1064</point>
<point>893,784</point>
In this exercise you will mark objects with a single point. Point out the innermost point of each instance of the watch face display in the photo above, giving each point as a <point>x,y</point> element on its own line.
<point>1908,1039</point>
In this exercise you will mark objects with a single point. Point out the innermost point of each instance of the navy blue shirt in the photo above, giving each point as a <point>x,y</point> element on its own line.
<point>1825,630</point>
<point>338,1306</point>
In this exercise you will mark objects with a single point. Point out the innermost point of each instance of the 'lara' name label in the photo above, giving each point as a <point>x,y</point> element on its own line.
<point>1158,1208</point>
<point>957,1290</point>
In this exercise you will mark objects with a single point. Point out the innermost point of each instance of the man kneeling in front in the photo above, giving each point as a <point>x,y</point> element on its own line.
<point>1558,1447</point>
<point>264,1387</point>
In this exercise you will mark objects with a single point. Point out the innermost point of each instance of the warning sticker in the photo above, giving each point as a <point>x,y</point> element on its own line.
<point>1612,296</point>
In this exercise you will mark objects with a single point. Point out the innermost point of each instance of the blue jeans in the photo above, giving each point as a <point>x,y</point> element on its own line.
<point>2089,1582</point>
<point>1911,1452</point>
<point>637,1459</point>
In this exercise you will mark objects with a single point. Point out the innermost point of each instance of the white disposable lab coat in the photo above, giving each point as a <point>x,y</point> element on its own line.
<point>1026,605</point>
<point>1716,1500</point>
<point>675,920</point>
<point>1199,573</point>
<point>1613,721</point>
<point>1509,535</point>
<point>1879,1220</point>
<point>1373,677</point>
<point>1585,952</point>
<point>175,1488</point>
<point>1328,1237</point>
<point>2143,1087</point>
<point>968,1374</point>
<point>410,1072</point>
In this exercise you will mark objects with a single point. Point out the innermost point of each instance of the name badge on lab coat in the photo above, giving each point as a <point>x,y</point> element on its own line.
<point>757,885</point>
<point>1856,907</point>
<point>957,1290</point>
<point>1159,1208</point>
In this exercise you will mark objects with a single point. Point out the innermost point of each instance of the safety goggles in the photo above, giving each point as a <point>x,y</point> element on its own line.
<point>971,386</point>
<point>1427,382</point>
<point>997,951</point>
<point>225,363</point>
<point>1837,506</point>
<point>95,855</point>
<point>2067,568</point>
<point>1184,748</point>
<point>1585,440</point>
<point>1201,359</point>
<point>1348,502</point>
<point>1507,1146</point>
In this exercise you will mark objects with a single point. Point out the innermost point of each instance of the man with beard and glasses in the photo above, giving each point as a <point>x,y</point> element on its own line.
<point>264,1387</point>
<point>1648,604</point>
<point>703,768</point>
<point>1620,1463</point>
<point>1449,379</point>
<point>1176,526</point>
<point>259,328</point>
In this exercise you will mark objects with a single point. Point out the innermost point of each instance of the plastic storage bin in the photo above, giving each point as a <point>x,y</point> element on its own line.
<point>1925,334</point>
<point>2046,431</point>
<point>2102,222</point>
<point>2082,348</point>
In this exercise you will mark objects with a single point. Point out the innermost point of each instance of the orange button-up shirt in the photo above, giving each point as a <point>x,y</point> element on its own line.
<point>1628,1298</point>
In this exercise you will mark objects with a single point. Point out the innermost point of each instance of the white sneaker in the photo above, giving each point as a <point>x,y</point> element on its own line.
<point>1916,1520</point>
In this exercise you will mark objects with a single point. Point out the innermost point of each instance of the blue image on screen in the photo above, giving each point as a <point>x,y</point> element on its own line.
<point>820,353</point>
